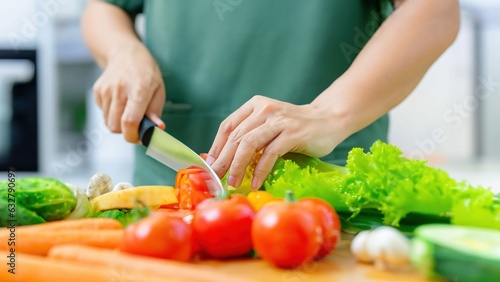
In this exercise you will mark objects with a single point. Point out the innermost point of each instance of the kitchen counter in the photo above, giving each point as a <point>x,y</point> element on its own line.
<point>339,266</point>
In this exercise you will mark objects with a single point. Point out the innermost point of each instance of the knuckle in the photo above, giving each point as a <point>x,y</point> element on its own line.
<point>227,126</point>
<point>272,152</point>
<point>113,127</point>
<point>234,137</point>
<point>258,98</point>
<point>129,121</point>
<point>237,167</point>
<point>250,141</point>
<point>260,172</point>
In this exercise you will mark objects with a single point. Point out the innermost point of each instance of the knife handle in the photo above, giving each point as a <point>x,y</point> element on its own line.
<point>146,128</point>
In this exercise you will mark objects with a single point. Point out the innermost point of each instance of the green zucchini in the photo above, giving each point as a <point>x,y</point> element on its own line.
<point>457,253</point>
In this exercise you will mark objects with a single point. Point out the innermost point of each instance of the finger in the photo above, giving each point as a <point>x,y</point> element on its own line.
<point>250,144</point>
<point>228,126</point>
<point>105,104</point>
<point>97,94</point>
<point>277,148</point>
<point>135,109</point>
<point>116,109</point>
<point>155,108</point>
<point>225,158</point>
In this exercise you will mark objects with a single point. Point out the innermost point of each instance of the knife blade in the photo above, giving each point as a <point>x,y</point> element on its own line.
<point>171,152</point>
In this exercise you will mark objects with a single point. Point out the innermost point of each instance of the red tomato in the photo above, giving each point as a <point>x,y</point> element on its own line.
<point>186,215</point>
<point>190,187</point>
<point>222,228</point>
<point>286,235</point>
<point>329,221</point>
<point>159,235</point>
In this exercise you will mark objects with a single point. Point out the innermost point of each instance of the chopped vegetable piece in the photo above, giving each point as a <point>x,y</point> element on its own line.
<point>151,196</point>
<point>190,187</point>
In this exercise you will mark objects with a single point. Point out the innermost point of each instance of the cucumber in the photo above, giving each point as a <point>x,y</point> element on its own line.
<point>22,216</point>
<point>457,253</point>
<point>49,198</point>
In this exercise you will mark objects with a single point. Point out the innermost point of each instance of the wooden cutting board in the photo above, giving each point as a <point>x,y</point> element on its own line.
<point>339,266</point>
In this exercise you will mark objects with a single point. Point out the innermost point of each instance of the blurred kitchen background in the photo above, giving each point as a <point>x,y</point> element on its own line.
<point>51,126</point>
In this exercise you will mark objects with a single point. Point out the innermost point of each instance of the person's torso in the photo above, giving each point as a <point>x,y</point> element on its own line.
<point>215,55</point>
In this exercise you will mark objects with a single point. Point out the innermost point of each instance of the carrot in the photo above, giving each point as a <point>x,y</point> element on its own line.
<point>40,269</point>
<point>39,243</point>
<point>118,260</point>
<point>71,224</point>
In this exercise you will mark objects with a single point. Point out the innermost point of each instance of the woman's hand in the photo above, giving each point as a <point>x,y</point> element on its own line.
<point>130,87</point>
<point>277,128</point>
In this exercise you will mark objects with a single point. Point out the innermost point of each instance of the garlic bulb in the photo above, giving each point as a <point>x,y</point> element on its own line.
<point>385,246</point>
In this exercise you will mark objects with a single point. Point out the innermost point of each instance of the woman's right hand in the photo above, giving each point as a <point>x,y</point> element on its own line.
<point>130,88</point>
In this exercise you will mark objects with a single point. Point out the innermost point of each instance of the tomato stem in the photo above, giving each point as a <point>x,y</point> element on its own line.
<point>289,197</point>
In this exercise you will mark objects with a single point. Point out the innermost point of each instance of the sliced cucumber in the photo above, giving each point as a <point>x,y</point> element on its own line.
<point>457,253</point>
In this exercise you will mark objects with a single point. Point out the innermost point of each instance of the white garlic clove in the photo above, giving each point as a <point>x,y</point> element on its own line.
<point>388,247</point>
<point>358,247</point>
<point>99,184</point>
<point>122,186</point>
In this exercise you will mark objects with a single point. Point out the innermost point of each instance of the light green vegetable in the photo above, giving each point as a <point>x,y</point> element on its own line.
<point>21,216</point>
<point>83,207</point>
<point>384,187</point>
<point>125,216</point>
<point>46,198</point>
<point>457,253</point>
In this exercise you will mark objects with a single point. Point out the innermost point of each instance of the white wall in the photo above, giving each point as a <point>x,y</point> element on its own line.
<point>490,113</point>
<point>14,15</point>
<point>437,122</point>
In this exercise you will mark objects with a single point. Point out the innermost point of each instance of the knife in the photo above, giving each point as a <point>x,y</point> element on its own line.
<point>171,152</point>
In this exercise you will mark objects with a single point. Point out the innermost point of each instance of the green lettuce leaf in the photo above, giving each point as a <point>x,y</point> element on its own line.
<point>477,207</point>
<point>384,187</point>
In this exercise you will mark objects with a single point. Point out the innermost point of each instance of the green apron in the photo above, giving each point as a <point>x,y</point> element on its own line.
<point>216,55</point>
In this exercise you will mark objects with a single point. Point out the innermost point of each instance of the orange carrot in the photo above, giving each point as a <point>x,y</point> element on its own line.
<point>71,224</point>
<point>160,267</point>
<point>39,243</point>
<point>40,269</point>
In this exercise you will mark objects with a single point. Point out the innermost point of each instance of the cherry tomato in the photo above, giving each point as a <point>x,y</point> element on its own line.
<point>285,234</point>
<point>259,199</point>
<point>159,235</point>
<point>190,187</point>
<point>329,221</point>
<point>222,227</point>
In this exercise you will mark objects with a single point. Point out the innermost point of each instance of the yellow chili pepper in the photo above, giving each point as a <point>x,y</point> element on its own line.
<point>259,198</point>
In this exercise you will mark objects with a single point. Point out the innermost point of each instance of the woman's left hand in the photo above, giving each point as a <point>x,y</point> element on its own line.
<point>277,128</point>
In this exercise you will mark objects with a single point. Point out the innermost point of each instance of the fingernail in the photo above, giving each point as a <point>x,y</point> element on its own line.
<point>231,180</point>
<point>210,160</point>
<point>255,182</point>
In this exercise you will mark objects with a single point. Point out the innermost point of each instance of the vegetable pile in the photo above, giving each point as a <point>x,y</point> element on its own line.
<point>295,218</point>
<point>382,187</point>
<point>286,233</point>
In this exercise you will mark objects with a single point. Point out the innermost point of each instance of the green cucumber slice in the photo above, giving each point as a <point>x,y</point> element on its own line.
<point>457,253</point>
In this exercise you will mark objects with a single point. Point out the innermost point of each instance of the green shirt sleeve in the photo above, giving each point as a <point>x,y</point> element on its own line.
<point>131,7</point>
